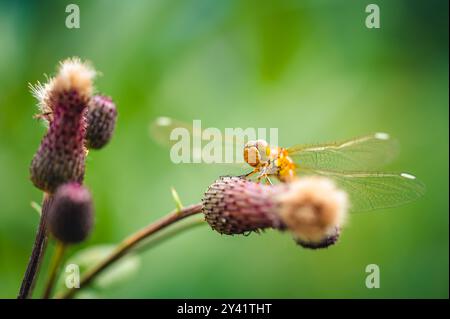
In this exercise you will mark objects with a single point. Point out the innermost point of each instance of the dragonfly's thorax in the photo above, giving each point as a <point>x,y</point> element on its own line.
<point>284,164</point>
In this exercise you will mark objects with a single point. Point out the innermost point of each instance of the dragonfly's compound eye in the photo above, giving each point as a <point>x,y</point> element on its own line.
<point>251,154</point>
<point>263,150</point>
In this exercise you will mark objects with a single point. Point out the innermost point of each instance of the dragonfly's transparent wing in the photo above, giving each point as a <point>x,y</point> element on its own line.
<point>358,154</point>
<point>168,132</point>
<point>162,127</point>
<point>162,131</point>
<point>369,191</point>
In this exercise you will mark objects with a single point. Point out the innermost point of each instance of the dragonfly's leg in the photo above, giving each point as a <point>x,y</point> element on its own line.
<point>260,177</point>
<point>250,174</point>
<point>268,181</point>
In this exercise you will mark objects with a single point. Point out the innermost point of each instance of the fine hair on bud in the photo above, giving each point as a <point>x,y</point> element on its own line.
<point>71,216</point>
<point>234,205</point>
<point>63,102</point>
<point>313,209</point>
<point>101,121</point>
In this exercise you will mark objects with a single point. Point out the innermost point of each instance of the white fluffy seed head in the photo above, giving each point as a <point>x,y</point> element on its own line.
<point>75,75</point>
<point>72,75</point>
<point>312,208</point>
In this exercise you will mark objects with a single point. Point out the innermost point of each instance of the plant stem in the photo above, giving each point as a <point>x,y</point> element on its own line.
<point>131,241</point>
<point>40,243</point>
<point>154,241</point>
<point>56,263</point>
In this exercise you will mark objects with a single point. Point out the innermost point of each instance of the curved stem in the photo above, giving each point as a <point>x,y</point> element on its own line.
<point>154,241</point>
<point>56,262</point>
<point>131,242</point>
<point>40,243</point>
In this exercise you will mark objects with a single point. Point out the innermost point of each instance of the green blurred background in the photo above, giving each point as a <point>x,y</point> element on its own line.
<point>310,68</point>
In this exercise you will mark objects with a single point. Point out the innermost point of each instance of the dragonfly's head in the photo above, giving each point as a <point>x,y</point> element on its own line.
<point>256,152</point>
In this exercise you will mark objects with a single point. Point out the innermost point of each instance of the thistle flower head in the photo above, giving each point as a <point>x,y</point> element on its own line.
<point>61,155</point>
<point>311,208</point>
<point>101,120</point>
<point>70,217</point>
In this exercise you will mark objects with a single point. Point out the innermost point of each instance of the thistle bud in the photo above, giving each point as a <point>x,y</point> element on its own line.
<point>311,208</point>
<point>101,120</point>
<point>70,217</point>
<point>234,205</point>
<point>63,103</point>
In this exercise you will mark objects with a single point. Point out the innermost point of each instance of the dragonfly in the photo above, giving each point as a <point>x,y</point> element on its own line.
<point>353,164</point>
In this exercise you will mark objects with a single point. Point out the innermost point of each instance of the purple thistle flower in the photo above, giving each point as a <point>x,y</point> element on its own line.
<point>63,103</point>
